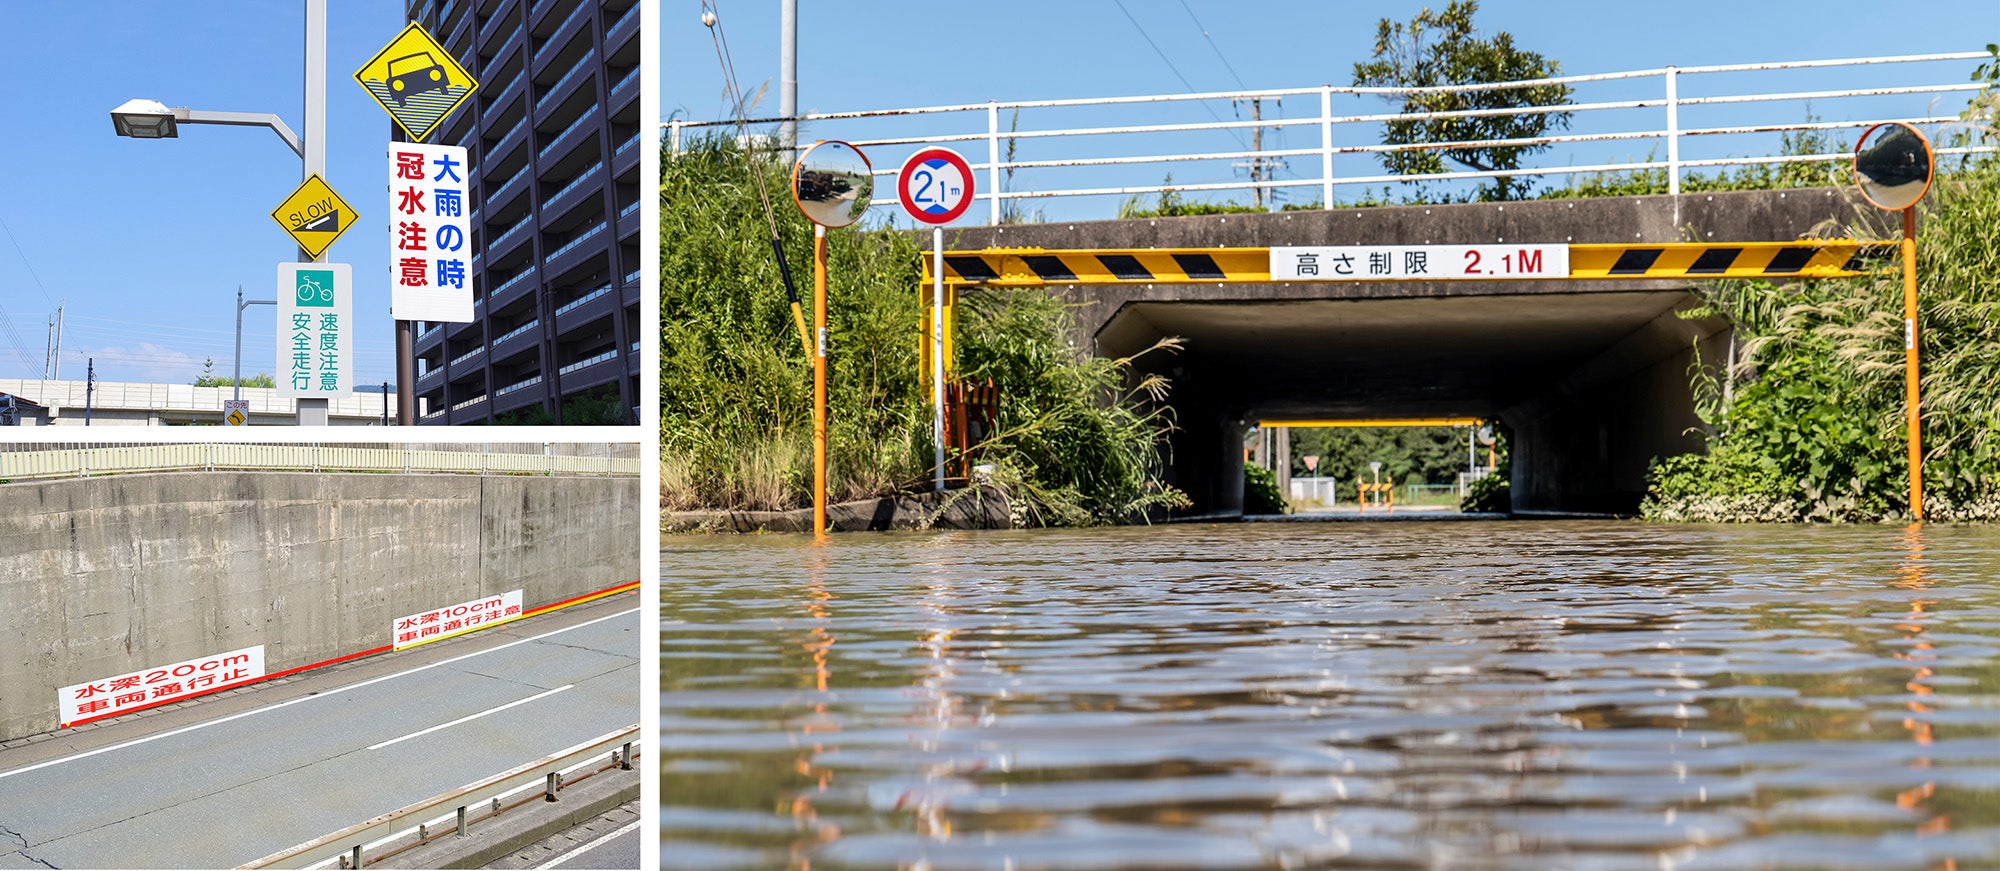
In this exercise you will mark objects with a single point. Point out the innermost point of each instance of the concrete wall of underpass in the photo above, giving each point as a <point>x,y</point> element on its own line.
<point>106,576</point>
<point>1587,444</point>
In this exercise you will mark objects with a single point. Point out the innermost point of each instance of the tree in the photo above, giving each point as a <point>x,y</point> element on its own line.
<point>208,378</point>
<point>1441,49</point>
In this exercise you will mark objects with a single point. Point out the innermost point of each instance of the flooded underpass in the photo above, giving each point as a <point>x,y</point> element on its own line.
<point>1513,695</point>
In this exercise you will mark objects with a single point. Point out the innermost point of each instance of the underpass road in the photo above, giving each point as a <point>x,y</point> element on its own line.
<point>217,785</point>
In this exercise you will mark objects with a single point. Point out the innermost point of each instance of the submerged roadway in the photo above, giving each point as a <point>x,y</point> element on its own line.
<point>228,779</point>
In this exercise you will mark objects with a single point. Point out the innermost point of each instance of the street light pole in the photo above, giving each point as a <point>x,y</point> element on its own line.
<point>151,119</point>
<point>242,304</point>
<point>312,152</point>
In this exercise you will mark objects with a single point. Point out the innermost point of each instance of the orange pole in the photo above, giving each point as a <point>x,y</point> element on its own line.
<point>1910,392</point>
<point>819,382</point>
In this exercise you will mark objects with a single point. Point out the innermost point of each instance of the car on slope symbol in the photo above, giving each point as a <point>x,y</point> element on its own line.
<point>413,74</point>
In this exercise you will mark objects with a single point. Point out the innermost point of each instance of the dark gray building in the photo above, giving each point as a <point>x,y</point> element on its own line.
<point>553,139</point>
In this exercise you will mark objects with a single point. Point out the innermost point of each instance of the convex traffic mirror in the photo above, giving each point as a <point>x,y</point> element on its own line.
<point>1892,166</point>
<point>833,183</point>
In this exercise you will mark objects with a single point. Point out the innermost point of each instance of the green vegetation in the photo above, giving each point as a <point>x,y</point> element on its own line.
<point>1441,48</point>
<point>1814,429</point>
<point>1172,205</point>
<point>598,406</point>
<point>1409,455</point>
<point>1492,493</point>
<point>1260,491</point>
<point>208,378</point>
<point>1076,445</point>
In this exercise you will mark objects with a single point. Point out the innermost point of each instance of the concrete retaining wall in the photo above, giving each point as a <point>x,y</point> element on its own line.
<point>104,576</point>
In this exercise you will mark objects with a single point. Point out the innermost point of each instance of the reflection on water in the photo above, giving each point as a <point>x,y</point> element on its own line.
<point>1515,695</point>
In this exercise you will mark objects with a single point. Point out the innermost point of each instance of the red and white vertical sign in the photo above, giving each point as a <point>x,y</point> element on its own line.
<point>140,689</point>
<point>441,623</point>
<point>430,233</point>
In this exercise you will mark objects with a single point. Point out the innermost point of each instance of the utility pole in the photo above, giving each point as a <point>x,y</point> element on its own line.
<point>788,77</point>
<point>1259,166</point>
<point>52,365</point>
<point>89,386</point>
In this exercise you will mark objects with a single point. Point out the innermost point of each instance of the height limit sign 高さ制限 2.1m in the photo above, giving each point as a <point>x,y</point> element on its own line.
<point>416,81</point>
<point>1418,262</point>
<point>935,186</point>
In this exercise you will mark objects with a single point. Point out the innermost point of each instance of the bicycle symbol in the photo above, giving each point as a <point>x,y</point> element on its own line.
<point>312,292</point>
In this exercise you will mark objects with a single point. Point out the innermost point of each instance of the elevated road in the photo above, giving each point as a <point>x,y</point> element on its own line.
<point>234,777</point>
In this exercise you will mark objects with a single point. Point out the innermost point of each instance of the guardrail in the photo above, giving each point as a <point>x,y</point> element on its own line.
<point>540,780</point>
<point>1641,108</point>
<point>84,462</point>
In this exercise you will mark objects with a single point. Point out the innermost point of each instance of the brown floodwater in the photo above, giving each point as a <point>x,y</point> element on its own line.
<point>1429,695</point>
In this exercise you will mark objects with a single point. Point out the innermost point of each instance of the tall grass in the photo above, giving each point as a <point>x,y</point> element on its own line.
<point>1077,443</point>
<point>1816,432</point>
<point>735,382</point>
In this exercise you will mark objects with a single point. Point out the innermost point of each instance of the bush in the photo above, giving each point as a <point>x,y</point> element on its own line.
<point>1260,491</point>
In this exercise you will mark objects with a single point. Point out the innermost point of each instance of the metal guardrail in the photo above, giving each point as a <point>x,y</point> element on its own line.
<point>1651,115</point>
<point>129,459</point>
<point>352,846</point>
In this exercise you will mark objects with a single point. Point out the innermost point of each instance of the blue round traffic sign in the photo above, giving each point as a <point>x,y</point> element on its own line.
<point>935,186</point>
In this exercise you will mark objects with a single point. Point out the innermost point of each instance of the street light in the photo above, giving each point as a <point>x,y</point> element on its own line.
<point>151,119</point>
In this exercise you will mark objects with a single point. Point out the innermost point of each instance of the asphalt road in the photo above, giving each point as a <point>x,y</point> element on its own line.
<point>619,850</point>
<point>214,786</point>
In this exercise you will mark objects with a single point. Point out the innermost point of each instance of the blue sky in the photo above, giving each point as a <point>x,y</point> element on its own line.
<point>901,53</point>
<point>146,241</point>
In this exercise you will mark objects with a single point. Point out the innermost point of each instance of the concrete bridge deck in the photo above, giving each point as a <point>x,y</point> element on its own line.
<point>1591,376</point>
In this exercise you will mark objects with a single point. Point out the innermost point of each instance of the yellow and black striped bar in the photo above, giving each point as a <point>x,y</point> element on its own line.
<point>1037,267</point>
<point>1804,258</point>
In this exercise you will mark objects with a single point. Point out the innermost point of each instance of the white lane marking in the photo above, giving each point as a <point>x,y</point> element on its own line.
<point>332,692</point>
<point>472,717</point>
<point>586,847</point>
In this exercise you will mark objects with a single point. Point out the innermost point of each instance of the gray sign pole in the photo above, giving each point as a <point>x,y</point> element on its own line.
<point>312,139</point>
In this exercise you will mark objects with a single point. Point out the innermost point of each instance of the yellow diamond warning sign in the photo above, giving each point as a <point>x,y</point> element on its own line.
<point>416,81</point>
<point>314,216</point>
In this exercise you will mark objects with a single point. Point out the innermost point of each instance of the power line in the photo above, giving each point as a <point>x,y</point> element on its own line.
<point>1212,45</point>
<point>1170,65</point>
<point>24,262</point>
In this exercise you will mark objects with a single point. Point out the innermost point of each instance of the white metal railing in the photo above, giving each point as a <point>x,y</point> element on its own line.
<point>572,304</point>
<point>452,812</point>
<point>92,460</point>
<point>476,351</point>
<point>470,402</point>
<point>1737,121</point>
